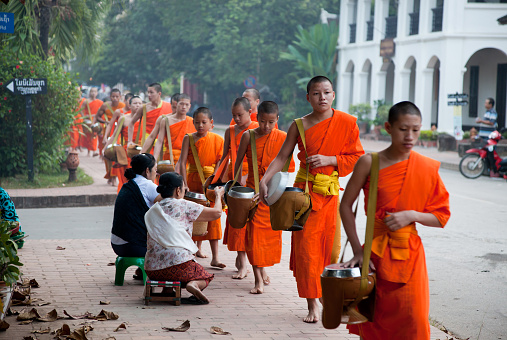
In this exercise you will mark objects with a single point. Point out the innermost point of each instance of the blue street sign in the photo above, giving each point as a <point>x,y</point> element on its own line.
<point>250,82</point>
<point>6,22</point>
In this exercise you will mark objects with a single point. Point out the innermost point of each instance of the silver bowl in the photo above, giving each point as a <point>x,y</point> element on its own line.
<point>195,196</point>
<point>276,187</point>
<point>334,270</point>
<point>241,192</point>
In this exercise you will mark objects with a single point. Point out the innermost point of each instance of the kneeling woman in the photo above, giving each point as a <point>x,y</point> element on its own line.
<point>171,251</point>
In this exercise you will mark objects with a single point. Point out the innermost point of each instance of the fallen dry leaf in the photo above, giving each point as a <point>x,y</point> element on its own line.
<point>104,302</point>
<point>64,330</point>
<point>218,330</point>
<point>105,315</point>
<point>4,325</point>
<point>26,322</point>
<point>34,284</point>
<point>80,333</point>
<point>44,304</point>
<point>185,326</point>
<point>29,338</point>
<point>111,264</point>
<point>26,314</point>
<point>50,317</point>
<point>86,315</point>
<point>122,326</point>
<point>60,248</point>
<point>110,338</point>
<point>42,331</point>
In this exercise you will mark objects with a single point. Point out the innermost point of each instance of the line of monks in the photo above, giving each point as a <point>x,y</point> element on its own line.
<point>331,149</point>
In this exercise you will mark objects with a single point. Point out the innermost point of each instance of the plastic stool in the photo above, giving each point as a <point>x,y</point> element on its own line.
<point>150,295</point>
<point>122,263</point>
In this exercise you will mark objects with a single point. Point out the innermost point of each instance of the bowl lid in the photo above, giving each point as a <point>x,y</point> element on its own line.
<point>335,270</point>
<point>195,195</point>
<point>164,162</point>
<point>276,187</point>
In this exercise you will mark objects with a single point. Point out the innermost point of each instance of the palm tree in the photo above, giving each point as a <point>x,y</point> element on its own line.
<point>56,28</point>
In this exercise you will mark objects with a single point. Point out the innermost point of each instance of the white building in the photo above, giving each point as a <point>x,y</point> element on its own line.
<point>440,47</point>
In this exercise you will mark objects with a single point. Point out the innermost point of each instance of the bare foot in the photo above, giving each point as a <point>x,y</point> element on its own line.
<point>201,254</point>
<point>240,275</point>
<point>257,291</point>
<point>95,154</point>
<point>193,289</point>
<point>266,280</point>
<point>313,311</point>
<point>217,264</point>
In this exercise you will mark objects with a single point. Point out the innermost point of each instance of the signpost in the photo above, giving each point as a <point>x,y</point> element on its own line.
<point>26,87</point>
<point>458,102</point>
<point>6,22</point>
<point>250,82</point>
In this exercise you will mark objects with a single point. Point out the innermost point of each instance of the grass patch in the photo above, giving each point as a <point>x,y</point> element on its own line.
<point>52,180</point>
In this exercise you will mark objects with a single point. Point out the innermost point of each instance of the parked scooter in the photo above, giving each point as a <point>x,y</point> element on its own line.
<point>474,163</point>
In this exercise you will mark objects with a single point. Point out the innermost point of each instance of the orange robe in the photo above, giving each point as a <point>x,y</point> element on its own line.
<point>109,114</point>
<point>90,138</point>
<point>263,244</point>
<point>209,150</point>
<point>77,129</point>
<point>402,291</point>
<point>311,247</point>
<point>152,116</point>
<point>178,132</point>
<point>119,170</point>
<point>236,238</point>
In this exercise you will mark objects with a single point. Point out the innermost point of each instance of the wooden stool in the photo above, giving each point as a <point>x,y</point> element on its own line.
<point>150,295</point>
<point>122,263</point>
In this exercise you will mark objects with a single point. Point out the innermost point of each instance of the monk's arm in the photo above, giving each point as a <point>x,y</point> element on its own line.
<point>181,166</point>
<point>159,145</point>
<point>135,116</point>
<point>100,114</point>
<point>110,140</point>
<point>279,161</point>
<point>356,182</point>
<point>214,213</point>
<point>243,145</point>
<point>148,142</point>
<point>350,154</point>
<point>224,152</point>
<point>116,115</point>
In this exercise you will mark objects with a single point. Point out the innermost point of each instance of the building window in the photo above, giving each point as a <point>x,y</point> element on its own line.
<point>474,91</point>
<point>352,38</point>
<point>369,30</point>
<point>414,19</point>
<point>438,15</point>
<point>392,19</point>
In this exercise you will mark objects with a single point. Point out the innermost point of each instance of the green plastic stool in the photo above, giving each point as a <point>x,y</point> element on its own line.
<point>122,263</point>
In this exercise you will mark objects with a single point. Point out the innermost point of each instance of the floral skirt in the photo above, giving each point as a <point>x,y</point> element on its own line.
<point>184,272</point>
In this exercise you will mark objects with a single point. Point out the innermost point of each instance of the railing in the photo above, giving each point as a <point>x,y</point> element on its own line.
<point>438,15</point>
<point>369,30</point>
<point>414,23</point>
<point>352,38</point>
<point>391,26</point>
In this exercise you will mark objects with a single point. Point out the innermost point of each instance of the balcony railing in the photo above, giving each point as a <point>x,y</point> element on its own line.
<point>352,38</point>
<point>414,23</point>
<point>369,30</point>
<point>438,15</point>
<point>391,26</point>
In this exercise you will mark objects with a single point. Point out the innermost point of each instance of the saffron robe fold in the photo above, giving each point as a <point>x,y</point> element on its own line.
<point>152,116</point>
<point>311,248</point>
<point>209,150</point>
<point>263,244</point>
<point>402,300</point>
<point>178,132</point>
<point>77,128</point>
<point>90,138</point>
<point>123,139</point>
<point>236,238</point>
<point>110,172</point>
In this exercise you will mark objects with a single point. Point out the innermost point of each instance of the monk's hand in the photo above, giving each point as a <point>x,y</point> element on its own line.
<point>263,191</point>
<point>316,161</point>
<point>398,220</point>
<point>219,191</point>
<point>256,197</point>
<point>357,261</point>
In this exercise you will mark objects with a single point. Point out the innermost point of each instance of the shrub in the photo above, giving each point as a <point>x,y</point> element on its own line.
<point>382,112</point>
<point>428,135</point>
<point>362,111</point>
<point>52,114</point>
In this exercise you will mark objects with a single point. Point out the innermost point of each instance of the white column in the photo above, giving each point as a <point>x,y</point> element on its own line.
<point>345,91</point>
<point>425,17</point>
<point>344,24</point>
<point>424,97</point>
<point>451,81</point>
<point>402,92</point>
<point>402,19</point>
<point>351,19</point>
<point>363,87</point>
<point>361,20</point>
<point>381,85</point>
<point>379,22</point>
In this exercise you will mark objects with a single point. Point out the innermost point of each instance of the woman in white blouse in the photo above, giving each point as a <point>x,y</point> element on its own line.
<point>171,251</point>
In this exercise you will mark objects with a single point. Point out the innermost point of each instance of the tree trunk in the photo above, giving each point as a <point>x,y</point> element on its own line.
<point>44,23</point>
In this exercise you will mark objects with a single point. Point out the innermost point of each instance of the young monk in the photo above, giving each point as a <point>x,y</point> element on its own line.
<point>111,126</point>
<point>179,125</point>
<point>254,98</point>
<point>76,129</point>
<point>333,146</point>
<point>174,101</point>
<point>410,190</point>
<point>135,103</point>
<point>91,106</point>
<point>235,238</point>
<point>209,148</point>
<point>263,244</point>
<point>154,109</point>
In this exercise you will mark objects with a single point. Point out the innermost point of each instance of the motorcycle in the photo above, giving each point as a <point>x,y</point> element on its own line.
<point>473,164</point>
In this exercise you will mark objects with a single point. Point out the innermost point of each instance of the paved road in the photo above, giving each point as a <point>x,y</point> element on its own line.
<point>467,261</point>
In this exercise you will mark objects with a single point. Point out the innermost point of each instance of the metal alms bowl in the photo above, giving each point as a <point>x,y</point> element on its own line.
<point>227,187</point>
<point>97,128</point>
<point>334,270</point>
<point>195,196</point>
<point>276,187</point>
<point>110,153</point>
<point>241,192</point>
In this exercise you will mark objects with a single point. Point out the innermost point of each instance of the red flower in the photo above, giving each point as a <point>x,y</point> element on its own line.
<point>1,84</point>
<point>31,71</point>
<point>5,98</point>
<point>17,66</point>
<point>9,111</point>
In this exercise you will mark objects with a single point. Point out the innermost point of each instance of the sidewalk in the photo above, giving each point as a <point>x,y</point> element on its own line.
<point>78,278</point>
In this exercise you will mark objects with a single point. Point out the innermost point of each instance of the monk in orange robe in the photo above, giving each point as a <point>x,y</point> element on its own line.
<point>254,97</point>
<point>236,238</point>
<point>91,107</point>
<point>410,191</point>
<point>209,148</point>
<point>263,244</point>
<point>76,128</point>
<point>179,125</point>
<point>154,109</point>
<point>333,147</point>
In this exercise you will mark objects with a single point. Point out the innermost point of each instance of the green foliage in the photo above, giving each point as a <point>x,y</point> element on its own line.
<point>382,112</point>
<point>466,135</point>
<point>9,260</point>
<point>52,114</point>
<point>314,52</point>
<point>428,135</point>
<point>362,111</point>
<point>504,135</point>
